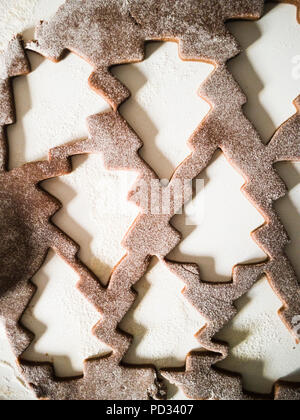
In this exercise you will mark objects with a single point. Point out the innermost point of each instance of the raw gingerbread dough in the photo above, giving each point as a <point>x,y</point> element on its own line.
<point>295,3</point>
<point>111,32</point>
<point>27,232</point>
<point>199,29</point>
<point>85,27</point>
<point>242,147</point>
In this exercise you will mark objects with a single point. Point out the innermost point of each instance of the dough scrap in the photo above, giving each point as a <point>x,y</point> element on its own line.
<point>111,32</point>
<point>25,216</point>
<point>149,234</point>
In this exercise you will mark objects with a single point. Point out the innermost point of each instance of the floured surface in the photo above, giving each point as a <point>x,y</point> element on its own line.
<point>270,94</point>
<point>262,349</point>
<point>11,385</point>
<point>268,70</point>
<point>96,211</point>
<point>62,321</point>
<point>262,187</point>
<point>15,17</point>
<point>52,105</point>
<point>168,335</point>
<point>111,32</point>
<point>289,209</point>
<point>218,212</point>
<point>164,117</point>
<point>270,101</point>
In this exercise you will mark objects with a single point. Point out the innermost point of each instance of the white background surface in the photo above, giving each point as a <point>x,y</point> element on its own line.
<point>52,103</point>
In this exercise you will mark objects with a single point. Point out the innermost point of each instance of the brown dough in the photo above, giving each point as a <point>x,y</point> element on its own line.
<point>25,213</point>
<point>295,3</point>
<point>152,234</point>
<point>12,63</point>
<point>225,128</point>
<point>111,32</point>
<point>201,379</point>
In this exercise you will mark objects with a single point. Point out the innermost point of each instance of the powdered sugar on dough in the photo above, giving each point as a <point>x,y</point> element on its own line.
<point>111,32</point>
<point>260,342</point>
<point>50,5</point>
<point>29,233</point>
<point>96,211</point>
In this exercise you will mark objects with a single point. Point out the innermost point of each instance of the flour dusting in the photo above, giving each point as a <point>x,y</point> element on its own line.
<point>15,16</point>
